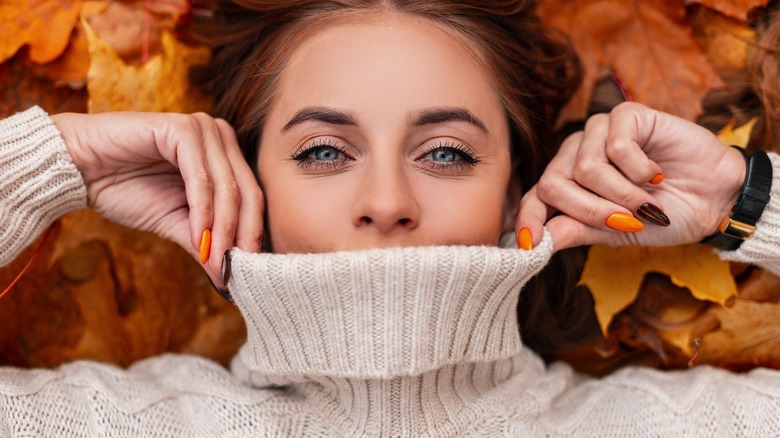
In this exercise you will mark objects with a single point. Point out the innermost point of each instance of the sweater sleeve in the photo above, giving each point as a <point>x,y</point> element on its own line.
<point>39,181</point>
<point>763,249</point>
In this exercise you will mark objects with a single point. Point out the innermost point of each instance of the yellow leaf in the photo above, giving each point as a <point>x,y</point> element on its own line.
<point>614,275</point>
<point>739,136</point>
<point>162,84</point>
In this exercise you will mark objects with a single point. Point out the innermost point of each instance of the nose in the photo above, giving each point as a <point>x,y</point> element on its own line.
<point>386,201</point>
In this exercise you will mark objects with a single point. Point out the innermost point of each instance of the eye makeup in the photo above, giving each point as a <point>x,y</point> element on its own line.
<point>320,154</point>
<point>465,157</point>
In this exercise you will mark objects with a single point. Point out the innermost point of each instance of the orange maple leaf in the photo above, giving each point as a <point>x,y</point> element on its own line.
<point>44,25</point>
<point>647,43</point>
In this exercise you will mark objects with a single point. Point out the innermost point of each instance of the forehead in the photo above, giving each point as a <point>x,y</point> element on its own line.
<point>393,59</point>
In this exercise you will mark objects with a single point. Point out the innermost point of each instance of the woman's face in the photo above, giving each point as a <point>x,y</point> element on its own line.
<point>384,131</point>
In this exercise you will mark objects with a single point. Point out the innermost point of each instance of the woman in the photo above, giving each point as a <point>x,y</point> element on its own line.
<point>382,130</point>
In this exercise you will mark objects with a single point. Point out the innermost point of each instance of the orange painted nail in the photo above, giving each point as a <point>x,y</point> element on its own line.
<point>658,179</point>
<point>205,246</point>
<point>524,239</point>
<point>624,222</point>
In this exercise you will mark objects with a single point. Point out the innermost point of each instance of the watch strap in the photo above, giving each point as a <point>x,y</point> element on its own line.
<point>738,225</point>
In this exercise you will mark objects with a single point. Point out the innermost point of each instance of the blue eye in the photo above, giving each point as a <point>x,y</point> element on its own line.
<point>321,155</point>
<point>444,155</point>
<point>325,153</point>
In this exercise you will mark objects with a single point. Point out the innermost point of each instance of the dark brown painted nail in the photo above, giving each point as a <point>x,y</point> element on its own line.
<point>224,293</point>
<point>653,214</point>
<point>226,267</point>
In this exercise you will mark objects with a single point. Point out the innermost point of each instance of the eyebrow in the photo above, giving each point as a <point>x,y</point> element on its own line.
<point>326,115</point>
<point>441,115</point>
<point>426,117</point>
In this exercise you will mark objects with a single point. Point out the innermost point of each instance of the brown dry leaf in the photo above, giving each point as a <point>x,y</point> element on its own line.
<point>21,90</point>
<point>739,9</point>
<point>748,331</point>
<point>105,292</point>
<point>739,136</point>
<point>44,25</point>
<point>614,275</point>
<point>161,85</point>
<point>647,43</point>
<point>724,40</point>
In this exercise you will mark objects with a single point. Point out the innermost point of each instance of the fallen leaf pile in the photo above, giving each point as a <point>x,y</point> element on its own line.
<point>101,291</point>
<point>98,290</point>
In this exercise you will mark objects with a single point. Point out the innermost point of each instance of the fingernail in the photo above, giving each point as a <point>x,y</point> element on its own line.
<point>624,222</point>
<point>205,246</point>
<point>525,240</point>
<point>653,214</point>
<point>658,179</point>
<point>224,293</point>
<point>226,267</point>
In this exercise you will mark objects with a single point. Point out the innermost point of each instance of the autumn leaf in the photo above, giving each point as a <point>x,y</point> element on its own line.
<point>43,25</point>
<point>161,85</point>
<point>105,292</point>
<point>647,43</point>
<point>739,9</point>
<point>614,275</point>
<point>21,90</point>
<point>737,136</point>
<point>130,28</point>
<point>748,330</point>
<point>725,41</point>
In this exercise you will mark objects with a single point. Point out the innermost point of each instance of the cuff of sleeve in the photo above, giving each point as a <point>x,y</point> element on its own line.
<point>764,247</point>
<point>39,181</point>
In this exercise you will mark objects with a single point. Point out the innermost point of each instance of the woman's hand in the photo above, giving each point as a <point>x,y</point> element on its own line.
<point>607,169</point>
<point>172,174</point>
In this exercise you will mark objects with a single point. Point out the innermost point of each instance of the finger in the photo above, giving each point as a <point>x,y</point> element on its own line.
<point>568,232</point>
<point>249,230</point>
<point>198,184</point>
<point>594,171</point>
<point>630,124</point>
<point>227,198</point>
<point>559,191</point>
<point>531,217</point>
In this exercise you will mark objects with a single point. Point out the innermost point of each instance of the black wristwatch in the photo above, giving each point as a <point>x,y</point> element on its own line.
<point>740,222</point>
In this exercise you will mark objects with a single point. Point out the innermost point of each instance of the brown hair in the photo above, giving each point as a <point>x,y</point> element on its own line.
<point>752,91</point>
<point>534,71</point>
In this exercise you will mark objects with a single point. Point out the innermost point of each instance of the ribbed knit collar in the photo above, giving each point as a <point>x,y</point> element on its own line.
<point>387,342</point>
<point>380,313</point>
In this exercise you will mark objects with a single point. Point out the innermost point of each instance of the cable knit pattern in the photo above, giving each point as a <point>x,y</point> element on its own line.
<point>388,342</point>
<point>39,181</point>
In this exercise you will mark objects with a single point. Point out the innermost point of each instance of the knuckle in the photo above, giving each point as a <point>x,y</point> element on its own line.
<point>592,215</point>
<point>585,169</point>
<point>232,189</point>
<point>202,180</point>
<point>548,185</point>
<point>618,149</point>
<point>596,120</point>
<point>627,107</point>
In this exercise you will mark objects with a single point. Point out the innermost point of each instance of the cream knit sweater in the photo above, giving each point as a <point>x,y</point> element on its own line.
<point>389,342</point>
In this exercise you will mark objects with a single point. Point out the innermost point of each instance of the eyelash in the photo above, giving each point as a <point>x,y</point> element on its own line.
<point>304,161</point>
<point>468,157</point>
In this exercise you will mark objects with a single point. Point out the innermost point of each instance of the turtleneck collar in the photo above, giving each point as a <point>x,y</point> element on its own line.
<point>342,324</point>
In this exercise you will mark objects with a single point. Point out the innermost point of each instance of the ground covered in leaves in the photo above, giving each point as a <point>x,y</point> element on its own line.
<point>100,291</point>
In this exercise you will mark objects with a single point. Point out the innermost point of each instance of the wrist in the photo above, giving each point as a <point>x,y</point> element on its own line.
<point>739,223</point>
<point>64,123</point>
